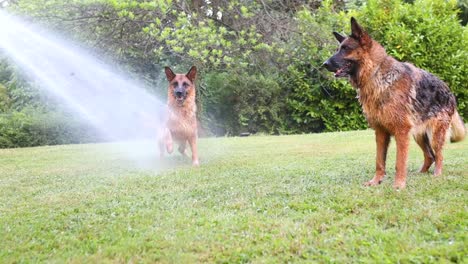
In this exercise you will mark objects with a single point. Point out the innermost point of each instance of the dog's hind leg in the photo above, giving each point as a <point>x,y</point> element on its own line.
<point>182,147</point>
<point>382,139</point>
<point>437,143</point>
<point>429,157</point>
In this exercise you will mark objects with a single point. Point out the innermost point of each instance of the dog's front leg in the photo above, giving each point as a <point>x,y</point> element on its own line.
<point>402,141</point>
<point>193,146</point>
<point>168,141</point>
<point>382,140</point>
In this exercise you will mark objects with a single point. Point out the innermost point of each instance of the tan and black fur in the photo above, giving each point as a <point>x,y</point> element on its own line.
<point>398,99</point>
<point>181,124</point>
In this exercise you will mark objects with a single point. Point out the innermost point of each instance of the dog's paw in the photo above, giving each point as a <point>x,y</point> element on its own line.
<point>375,181</point>
<point>195,163</point>
<point>399,185</point>
<point>437,172</point>
<point>372,183</point>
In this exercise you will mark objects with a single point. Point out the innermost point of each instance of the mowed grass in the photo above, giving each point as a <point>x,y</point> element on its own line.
<point>264,199</point>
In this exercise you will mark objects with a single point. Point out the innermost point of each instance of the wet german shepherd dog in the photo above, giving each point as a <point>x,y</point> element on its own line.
<point>398,99</point>
<point>181,123</point>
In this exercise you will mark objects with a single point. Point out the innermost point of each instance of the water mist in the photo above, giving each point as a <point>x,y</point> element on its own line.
<point>119,108</point>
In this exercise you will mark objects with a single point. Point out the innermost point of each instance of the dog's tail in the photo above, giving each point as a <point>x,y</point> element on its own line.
<point>457,129</point>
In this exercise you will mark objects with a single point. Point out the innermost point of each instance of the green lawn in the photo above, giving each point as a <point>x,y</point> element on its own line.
<point>256,199</point>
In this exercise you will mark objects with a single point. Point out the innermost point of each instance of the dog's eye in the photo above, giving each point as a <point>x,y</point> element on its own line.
<point>185,84</point>
<point>344,47</point>
<point>174,84</point>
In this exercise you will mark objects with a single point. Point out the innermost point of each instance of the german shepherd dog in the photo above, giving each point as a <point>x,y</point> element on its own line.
<point>181,123</point>
<point>398,99</point>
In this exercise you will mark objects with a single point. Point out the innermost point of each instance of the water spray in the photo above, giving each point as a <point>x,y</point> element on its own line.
<point>119,108</point>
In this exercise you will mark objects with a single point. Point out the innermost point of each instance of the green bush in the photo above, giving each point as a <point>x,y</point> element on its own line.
<point>317,101</point>
<point>32,127</point>
<point>5,101</point>
<point>237,103</point>
<point>318,104</point>
<point>17,91</point>
<point>24,122</point>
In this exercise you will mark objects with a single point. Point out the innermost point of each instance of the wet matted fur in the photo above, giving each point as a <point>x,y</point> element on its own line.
<point>181,123</point>
<point>398,99</point>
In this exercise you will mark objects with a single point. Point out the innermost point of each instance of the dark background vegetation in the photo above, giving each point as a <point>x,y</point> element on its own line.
<point>259,61</point>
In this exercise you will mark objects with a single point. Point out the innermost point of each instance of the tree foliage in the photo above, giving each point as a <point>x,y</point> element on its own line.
<point>259,61</point>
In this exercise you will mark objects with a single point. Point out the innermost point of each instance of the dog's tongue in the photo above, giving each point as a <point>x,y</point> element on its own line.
<point>338,72</point>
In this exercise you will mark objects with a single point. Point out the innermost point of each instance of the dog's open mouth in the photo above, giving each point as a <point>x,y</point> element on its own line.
<point>180,100</point>
<point>344,71</point>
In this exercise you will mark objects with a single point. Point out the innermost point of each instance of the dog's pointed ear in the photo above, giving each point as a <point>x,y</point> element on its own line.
<point>192,73</point>
<point>359,33</point>
<point>169,73</point>
<point>356,29</point>
<point>338,36</point>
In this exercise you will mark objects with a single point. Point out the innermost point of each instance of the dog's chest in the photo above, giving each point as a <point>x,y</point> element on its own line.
<point>386,108</point>
<point>371,109</point>
<point>182,123</point>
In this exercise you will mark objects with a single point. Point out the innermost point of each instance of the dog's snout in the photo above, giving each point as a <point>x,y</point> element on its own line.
<point>179,92</point>
<point>330,65</point>
<point>325,64</point>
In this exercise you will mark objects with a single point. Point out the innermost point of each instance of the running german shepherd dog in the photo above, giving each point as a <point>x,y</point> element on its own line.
<point>398,99</point>
<point>181,123</point>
